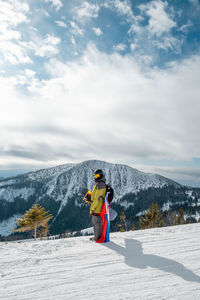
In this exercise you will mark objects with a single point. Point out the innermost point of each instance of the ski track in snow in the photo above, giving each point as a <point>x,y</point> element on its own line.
<point>159,263</point>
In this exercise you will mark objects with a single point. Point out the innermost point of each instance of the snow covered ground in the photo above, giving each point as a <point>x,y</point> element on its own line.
<point>160,263</point>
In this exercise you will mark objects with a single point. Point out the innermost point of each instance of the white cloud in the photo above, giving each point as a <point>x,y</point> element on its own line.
<point>102,106</point>
<point>168,43</point>
<point>87,11</point>
<point>97,31</point>
<point>184,28</point>
<point>120,47</point>
<point>12,14</point>
<point>56,3</point>
<point>7,34</point>
<point>160,22</point>
<point>73,41</point>
<point>133,46</point>
<point>76,29</point>
<point>123,8</point>
<point>157,33</point>
<point>135,29</point>
<point>27,77</point>
<point>43,12</point>
<point>61,24</point>
<point>48,46</point>
<point>14,53</point>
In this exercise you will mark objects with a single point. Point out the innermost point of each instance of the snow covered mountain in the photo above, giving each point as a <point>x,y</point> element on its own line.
<point>57,189</point>
<point>153,264</point>
<point>63,182</point>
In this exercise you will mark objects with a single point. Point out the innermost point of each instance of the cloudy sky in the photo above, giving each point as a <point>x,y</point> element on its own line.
<point>115,80</point>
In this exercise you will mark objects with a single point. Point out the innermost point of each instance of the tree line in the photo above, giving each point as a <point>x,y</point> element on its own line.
<point>36,220</point>
<point>153,217</point>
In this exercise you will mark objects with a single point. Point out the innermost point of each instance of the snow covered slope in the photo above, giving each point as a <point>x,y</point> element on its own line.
<point>159,263</point>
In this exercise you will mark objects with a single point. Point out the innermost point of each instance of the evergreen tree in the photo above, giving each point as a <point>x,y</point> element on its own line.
<point>180,218</point>
<point>152,218</point>
<point>33,219</point>
<point>122,225</point>
<point>43,231</point>
<point>133,227</point>
<point>170,218</point>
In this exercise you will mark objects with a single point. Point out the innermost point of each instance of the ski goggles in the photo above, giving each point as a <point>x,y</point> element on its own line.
<point>96,176</point>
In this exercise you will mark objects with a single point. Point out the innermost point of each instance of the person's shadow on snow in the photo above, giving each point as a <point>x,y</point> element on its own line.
<point>135,258</point>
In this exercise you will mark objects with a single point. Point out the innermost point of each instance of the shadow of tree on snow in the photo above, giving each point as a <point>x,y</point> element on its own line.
<point>135,258</point>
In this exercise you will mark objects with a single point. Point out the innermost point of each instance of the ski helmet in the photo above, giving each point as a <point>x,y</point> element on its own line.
<point>98,174</point>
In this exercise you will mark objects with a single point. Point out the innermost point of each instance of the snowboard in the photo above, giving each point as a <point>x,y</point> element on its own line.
<point>105,236</point>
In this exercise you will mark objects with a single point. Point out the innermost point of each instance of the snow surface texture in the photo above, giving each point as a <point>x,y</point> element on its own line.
<point>159,263</point>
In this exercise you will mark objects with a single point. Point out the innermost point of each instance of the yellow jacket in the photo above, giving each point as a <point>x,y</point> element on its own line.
<point>97,196</point>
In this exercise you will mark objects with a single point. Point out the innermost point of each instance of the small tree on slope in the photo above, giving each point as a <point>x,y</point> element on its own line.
<point>122,225</point>
<point>34,218</point>
<point>180,218</point>
<point>152,218</point>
